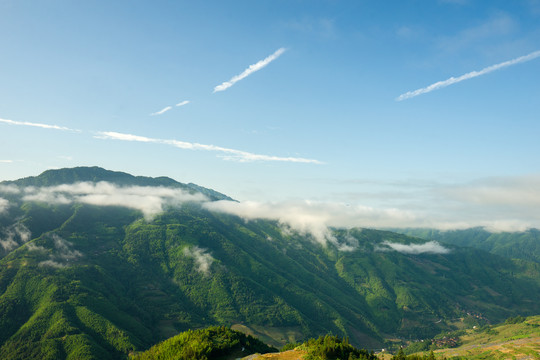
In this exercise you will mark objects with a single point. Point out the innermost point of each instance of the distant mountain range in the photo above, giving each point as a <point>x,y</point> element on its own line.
<point>99,264</point>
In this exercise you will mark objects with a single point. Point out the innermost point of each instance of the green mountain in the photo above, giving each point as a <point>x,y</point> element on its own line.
<point>99,264</point>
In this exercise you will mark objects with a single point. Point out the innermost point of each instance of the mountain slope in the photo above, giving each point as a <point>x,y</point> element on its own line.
<point>84,280</point>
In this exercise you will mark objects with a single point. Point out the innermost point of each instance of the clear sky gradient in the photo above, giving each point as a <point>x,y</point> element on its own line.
<point>287,102</point>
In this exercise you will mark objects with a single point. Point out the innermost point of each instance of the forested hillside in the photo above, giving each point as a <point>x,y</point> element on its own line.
<point>89,270</point>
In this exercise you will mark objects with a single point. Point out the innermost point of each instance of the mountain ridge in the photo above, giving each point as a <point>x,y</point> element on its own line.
<point>96,174</point>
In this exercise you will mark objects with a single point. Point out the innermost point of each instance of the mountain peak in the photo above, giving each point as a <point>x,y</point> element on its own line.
<point>96,174</point>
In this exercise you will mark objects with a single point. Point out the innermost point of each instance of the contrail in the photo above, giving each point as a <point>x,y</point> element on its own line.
<point>470,75</point>
<point>162,111</point>
<point>43,126</point>
<point>228,154</point>
<point>182,103</point>
<point>250,70</point>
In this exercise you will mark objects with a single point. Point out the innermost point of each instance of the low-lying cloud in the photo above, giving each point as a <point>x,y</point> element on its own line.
<point>202,258</point>
<point>315,218</point>
<point>149,200</point>
<point>430,247</point>
<point>14,236</point>
<point>62,253</point>
<point>497,204</point>
<point>4,204</point>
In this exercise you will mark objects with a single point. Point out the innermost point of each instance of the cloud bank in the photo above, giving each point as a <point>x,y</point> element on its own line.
<point>229,154</point>
<point>149,200</point>
<point>43,126</point>
<point>470,75</point>
<point>497,204</point>
<point>315,218</point>
<point>250,70</point>
<point>430,247</point>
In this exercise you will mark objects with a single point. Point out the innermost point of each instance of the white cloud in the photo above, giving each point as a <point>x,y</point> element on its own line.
<point>149,200</point>
<point>431,247</point>
<point>162,111</point>
<point>182,103</point>
<point>65,249</point>
<point>230,154</point>
<point>14,236</point>
<point>59,258</point>
<point>4,204</point>
<point>250,70</point>
<point>43,126</point>
<point>498,204</point>
<point>8,243</point>
<point>202,258</point>
<point>51,263</point>
<point>167,108</point>
<point>470,75</point>
<point>33,247</point>
<point>6,161</point>
<point>315,218</point>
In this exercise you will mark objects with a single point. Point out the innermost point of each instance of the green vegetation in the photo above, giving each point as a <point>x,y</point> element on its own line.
<point>211,343</point>
<point>100,282</point>
<point>331,348</point>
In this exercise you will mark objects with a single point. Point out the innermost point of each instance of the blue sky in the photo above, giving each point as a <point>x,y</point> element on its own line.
<point>318,122</point>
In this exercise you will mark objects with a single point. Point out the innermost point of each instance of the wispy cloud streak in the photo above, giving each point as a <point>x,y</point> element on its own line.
<point>250,70</point>
<point>162,111</point>
<point>182,103</point>
<point>43,126</point>
<point>470,75</point>
<point>230,154</point>
<point>167,108</point>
